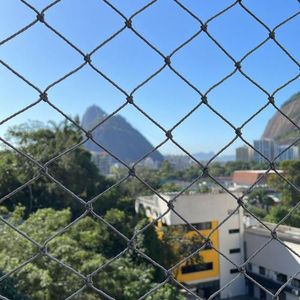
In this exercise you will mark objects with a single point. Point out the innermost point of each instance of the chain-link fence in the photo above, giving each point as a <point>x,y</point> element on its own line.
<point>127,23</point>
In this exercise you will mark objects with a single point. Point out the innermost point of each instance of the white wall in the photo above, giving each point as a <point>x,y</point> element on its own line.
<point>230,241</point>
<point>204,208</point>
<point>274,256</point>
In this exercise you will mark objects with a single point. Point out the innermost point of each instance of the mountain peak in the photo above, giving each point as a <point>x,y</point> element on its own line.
<point>117,136</point>
<point>94,113</point>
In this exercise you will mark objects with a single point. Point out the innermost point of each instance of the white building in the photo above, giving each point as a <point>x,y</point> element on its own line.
<point>206,212</point>
<point>275,264</point>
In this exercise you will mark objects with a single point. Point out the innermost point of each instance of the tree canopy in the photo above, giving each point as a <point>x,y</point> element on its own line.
<point>85,247</point>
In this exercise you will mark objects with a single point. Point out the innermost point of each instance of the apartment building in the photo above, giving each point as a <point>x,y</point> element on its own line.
<point>285,152</point>
<point>264,146</point>
<point>270,149</point>
<point>275,264</point>
<point>244,153</point>
<point>206,212</point>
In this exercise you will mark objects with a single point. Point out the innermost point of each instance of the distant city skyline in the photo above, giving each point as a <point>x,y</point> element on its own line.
<point>42,58</point>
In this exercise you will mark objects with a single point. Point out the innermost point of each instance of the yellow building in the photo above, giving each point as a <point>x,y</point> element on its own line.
<point>205,212</point>
<point>209,267</point>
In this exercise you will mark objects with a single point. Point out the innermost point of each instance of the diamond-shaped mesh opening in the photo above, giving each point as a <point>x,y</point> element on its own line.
<point>174,90</point>
<point>90,88</point>
<point>108,57</point>
<point>39,51</point>
<point>287,9</point>
<point>175,21</point>
<point>18,23</point>
<point>245,101</point>
<point>100,25</point>
<point>203,115</point>
<point>238,28</point>
<point>12,91</point>
<point>122,222</point>
<point>202,63</point>
<point>268,65</point>
<point>290,26</point>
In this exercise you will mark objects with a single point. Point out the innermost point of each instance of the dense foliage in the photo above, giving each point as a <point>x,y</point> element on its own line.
<point>74,169</point>
<point>42,208</point>
<point>85,247</point>
<point>260,200</point>
<point>290,196</point>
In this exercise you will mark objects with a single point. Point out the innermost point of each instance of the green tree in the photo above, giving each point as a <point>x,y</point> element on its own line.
<point>9,290</point>
<point>165,171</point>
<point>277,213</point>
<point>290,195</point>
<point>166,292</point>
<point>260,197</point>
<point>192,173</point>
<point>74,170</point>
<point>170,187</point>
<point>182,243</point>
<point>217,169</point>
<point>83,247</point>
<point>257,211</point>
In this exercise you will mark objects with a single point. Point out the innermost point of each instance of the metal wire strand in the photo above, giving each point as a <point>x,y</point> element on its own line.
<point>127,24</point>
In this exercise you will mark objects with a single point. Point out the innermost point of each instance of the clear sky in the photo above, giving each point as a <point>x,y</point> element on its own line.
<point>42,57</point>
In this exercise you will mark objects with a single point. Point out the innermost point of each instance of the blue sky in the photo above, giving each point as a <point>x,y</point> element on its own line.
<point>42,58</point>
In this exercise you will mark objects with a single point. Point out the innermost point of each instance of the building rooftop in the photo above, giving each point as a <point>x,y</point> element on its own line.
<point>249,177</point>
<point>258,171</point>
<point>285,233</point>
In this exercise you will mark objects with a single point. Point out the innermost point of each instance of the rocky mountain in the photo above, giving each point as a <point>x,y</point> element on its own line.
<point>117,136</point>
<point>281,129</point>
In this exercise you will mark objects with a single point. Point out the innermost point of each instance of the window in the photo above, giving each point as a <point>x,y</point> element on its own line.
<point>233,271</point>
<point>262,271</point>
<point>235,250</point>
<point>197,268</point>
<point>281,277</point>
<point>296,283</point>
<point>236,230</point>
<point>203,225</point>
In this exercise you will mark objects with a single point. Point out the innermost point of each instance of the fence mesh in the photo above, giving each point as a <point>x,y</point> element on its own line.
<point>127,23</point>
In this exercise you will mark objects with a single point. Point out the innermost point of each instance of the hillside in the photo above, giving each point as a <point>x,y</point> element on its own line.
<point>281,129</point>
<point>117,136</point>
